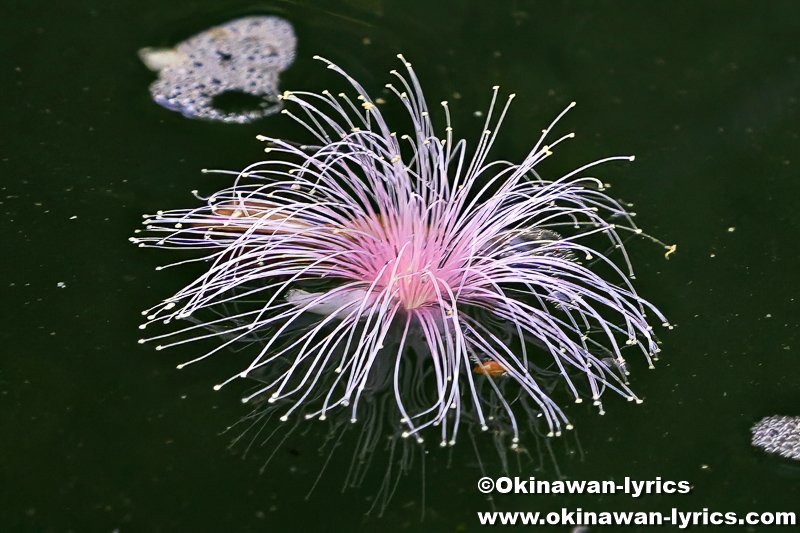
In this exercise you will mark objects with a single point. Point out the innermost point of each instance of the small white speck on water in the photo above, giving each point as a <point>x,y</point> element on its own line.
<point>61,285</point>
<point>731,229</point>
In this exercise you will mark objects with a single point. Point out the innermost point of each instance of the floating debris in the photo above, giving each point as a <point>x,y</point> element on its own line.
<point>778,434</point>
<point>244,55</point>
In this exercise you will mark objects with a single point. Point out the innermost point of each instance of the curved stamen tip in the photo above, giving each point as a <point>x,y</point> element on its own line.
<point>551,434</point>
<point>572,104</point>
<point>484,428</point>
<point>570,427</point>
<point>631,158</point>
<point>218,386</point>
<point>284,418</point>
<point>578,400</point>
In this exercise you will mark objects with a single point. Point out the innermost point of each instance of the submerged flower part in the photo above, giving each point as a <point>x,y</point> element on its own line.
<point>244,55</point>
<point>382,261</point>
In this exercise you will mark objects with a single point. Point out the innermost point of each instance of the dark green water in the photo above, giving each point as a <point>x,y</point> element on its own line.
<point>102,434</point>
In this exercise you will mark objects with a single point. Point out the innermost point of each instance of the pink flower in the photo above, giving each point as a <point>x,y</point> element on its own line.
<point>378,260</point>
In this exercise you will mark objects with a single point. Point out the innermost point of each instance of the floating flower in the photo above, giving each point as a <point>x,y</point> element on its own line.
<point>378,261</point>
<point>244,55</point>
